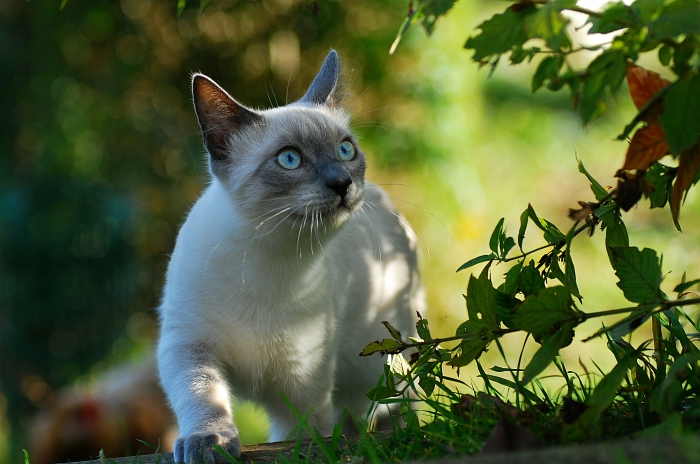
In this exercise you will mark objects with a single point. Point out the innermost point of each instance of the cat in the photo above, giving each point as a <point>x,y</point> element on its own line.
<point>282,271</point>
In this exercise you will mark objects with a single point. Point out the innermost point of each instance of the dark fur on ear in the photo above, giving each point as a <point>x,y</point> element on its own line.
<point>218,114</point>
<point>326,88</point>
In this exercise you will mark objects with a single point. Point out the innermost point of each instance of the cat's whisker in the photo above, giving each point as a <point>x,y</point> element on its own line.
<point>301,228</point>
<point>447,233</point>
<point>374,211</point>
<point>291,73</point>
<point>273,216</point>
<point>284,219</point>
<point>378,124</point>
<point>424,246</point>
<point>374,233</point>
<point>258,235</point>
<point>364,92</point>
<point>267,82</point>
<point>206,264</point>
<point>277,200</point>
<point>374,110</point>
<point>319,220</point>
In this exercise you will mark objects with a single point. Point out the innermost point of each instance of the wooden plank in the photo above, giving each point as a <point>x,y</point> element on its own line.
<point>262,453</point>
<point>668,450</point>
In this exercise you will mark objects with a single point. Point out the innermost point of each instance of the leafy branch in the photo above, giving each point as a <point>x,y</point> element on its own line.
<point>670,126</point>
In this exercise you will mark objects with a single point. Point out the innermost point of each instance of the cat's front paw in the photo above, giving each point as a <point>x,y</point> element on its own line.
<point>199,447</point>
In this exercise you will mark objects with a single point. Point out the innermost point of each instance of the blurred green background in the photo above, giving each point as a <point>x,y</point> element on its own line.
<point>101,158</point>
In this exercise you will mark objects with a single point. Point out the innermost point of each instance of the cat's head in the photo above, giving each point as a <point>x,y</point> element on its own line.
<point>298,163</point>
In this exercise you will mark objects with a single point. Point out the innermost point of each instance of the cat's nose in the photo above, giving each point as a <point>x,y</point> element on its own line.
<point>340,184</point>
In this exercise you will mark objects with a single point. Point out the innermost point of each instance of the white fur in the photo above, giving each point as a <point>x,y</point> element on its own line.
<point>261,307</point>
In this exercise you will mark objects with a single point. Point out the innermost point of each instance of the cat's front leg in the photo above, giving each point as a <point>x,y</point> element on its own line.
<point>200,397</point>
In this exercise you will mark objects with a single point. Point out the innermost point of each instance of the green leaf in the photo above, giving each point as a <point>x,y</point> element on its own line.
<point>519,54</point>
<point>505,305</point>
<point>394,333</point>
<point>661,178</point>
<point>388,345</point>
<point>548,351</point>
<point>478,338</point>
<point>381,393</point>
<point>607,71</point>
<point>549,24</point>
<point>481,301</point>
<point>681,117</point>
<point>615,232</point>
<point>674,326</point>
<point>680,288</point>
<point>499,34</point>
<point>547,70</point>
<point>63,4</point>
<point>646,10</point>
<point>475,261</point>
<point>432,10</point>
<point>531,397</point>
<point>616,16</point>
<point>665,397</point>
<point>639,273</point>
<point>495,236</point>
<point>423,330</point>
<point>589,424</point>
<point>523,227</point>
<point>505,245</point>
<point>665,53</point>
<point>626,325</point>
<point>529,280</point>
<point>545,311</point>
<point>510,286</point>
<point>552,234</point>
<point>570,273</point>
<point>427,384</point>
<point>181,7</point>
<point>555,271</point>
<point>680,17</point>
<point>598,190</point>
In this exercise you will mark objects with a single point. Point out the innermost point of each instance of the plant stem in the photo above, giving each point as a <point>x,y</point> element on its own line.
<point>578,9</point>
<point>554,245</point>
<point>658,348</point>
<point>651,307</point>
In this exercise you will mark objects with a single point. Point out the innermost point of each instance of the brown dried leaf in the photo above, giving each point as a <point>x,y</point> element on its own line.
<point>643,84</point>
<point>581,214</point>
<point>571,410</point>
<point>630,188</point>
<point>509,436</point>
<point>687,170</point>
<point>648,145</point>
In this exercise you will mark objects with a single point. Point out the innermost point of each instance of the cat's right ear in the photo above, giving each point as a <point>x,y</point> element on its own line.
<point>218,114</point>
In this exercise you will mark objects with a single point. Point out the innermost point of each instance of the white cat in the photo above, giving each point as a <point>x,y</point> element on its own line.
<point>281,273</point>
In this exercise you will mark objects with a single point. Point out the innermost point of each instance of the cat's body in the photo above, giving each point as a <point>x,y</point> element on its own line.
<point>280,275</point>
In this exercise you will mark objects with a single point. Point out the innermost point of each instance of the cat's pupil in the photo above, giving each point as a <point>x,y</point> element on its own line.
<point>346,151</point>
<point>289,159</point>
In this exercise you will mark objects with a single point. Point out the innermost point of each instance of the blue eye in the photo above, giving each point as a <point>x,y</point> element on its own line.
<point>289,159</point>
<point>346,150</point>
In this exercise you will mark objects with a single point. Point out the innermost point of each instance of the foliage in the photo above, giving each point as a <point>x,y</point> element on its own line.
<point>657,380</point>
<point>670,122</point>
<point>538,296</point>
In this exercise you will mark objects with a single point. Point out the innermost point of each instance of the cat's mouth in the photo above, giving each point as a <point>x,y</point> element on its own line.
<point>329,213</point>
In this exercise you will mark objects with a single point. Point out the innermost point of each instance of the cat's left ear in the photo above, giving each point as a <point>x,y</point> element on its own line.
<point>219,115</point>
<point>323,89</point>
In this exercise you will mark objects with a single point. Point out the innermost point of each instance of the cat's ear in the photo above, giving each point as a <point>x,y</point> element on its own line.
<point>218,114</point>
<point>324,88</point>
